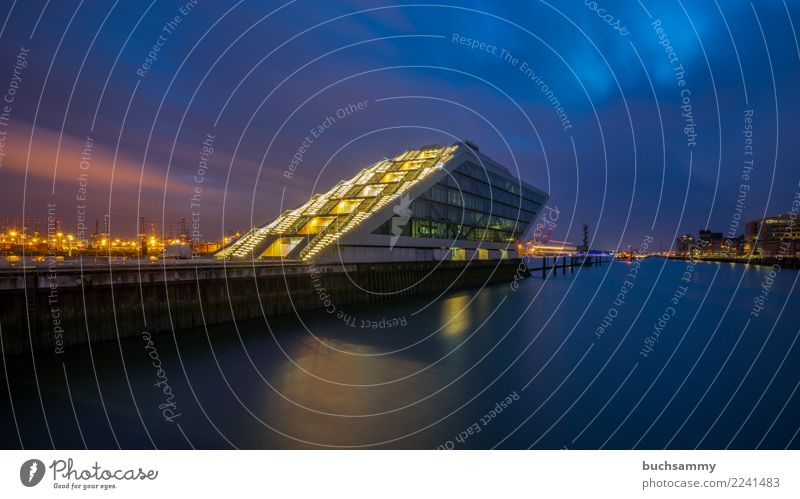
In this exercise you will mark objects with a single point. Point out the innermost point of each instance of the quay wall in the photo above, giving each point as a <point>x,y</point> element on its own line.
<point>53,309</point>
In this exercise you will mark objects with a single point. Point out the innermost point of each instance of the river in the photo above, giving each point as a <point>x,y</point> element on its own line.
<point>672,355</point>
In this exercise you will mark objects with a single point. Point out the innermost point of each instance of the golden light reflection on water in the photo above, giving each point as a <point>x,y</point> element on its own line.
<point>317,369</point>
<point>456,315</point>
<point>318,404</point>
<point>318,401</point>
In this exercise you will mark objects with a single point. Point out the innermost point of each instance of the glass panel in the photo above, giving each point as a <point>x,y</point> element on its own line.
<point>345,206</point>
<point>282,246</point>
<point>420,208</point>
<point>439,230</point>
<point>392,177</point>
<point>364,177</point>
<point>420,228</point>
<point>430,153</point>
<point>370,191</point>
<point>438,211</point>
<point>410,165</point>
<point>316,224</point>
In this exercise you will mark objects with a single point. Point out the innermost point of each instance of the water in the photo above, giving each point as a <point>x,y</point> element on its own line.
<point>495,367</point>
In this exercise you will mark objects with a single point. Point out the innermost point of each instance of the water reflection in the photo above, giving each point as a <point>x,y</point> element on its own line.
<point>456,315</point>
<point>286,384</point>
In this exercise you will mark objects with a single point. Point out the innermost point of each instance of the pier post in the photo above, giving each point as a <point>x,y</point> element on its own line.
<point>31,290</point>
<point>544,267</point>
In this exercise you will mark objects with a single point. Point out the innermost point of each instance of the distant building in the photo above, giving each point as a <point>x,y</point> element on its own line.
<point>686,245</point>
<point>734,247</point>
<point>432,203</point>
<point>711,243</point>
<point>772,236</point>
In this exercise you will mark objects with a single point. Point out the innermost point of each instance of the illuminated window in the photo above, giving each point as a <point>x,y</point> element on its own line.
<point>370,191</point>
<point>430,153</point>
<point>282,246</point>
<point>410,165</point>
<point>483,254</point>
<point>408,155</point>
<point>503,254</point>
<point>345,206</point>
<point>364,177</point>
<point>392,177</point>
<point>458,254</point>
<point>316,224</point>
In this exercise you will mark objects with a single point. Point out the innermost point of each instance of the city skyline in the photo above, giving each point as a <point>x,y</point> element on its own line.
<point>172,229</point>
<point>35,224</point>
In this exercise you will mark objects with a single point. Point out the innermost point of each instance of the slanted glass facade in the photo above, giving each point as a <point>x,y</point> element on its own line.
<point>326,217</point>
<point>472,203</point>
<point>424,193</point>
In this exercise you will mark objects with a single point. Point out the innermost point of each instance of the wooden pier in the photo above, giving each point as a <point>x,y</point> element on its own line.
<point>550,265</point>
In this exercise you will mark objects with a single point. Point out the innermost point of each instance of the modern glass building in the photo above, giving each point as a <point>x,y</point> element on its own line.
<point>432,203</point>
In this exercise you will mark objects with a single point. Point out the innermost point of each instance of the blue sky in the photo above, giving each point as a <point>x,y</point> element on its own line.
<point>259,75</point>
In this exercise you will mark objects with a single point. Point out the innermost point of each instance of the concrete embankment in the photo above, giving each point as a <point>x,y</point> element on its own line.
<point>58,307</point>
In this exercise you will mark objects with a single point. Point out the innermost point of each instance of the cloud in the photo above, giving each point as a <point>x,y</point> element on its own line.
<point>47,155</point>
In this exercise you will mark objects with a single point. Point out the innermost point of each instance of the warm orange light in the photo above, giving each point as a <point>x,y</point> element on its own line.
<point>316,224</point>
<point>392,177</point>
<point>345,206</point>
<point>410,165</point>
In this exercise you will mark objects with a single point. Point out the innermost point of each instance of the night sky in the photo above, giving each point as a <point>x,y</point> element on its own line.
<point>643,145</point>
